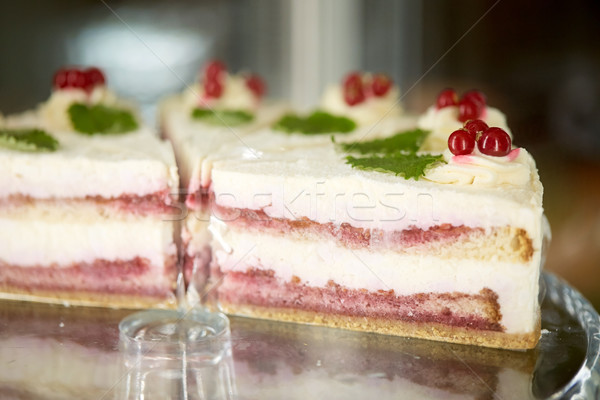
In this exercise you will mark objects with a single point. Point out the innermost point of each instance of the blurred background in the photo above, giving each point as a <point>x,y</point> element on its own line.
<point>538,61</point>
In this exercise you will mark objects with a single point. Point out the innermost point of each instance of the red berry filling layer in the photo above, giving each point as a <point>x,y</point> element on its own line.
<point>159,203</point>
<point>120,277</point>
<point>261,288</point>
<point>345,234</point>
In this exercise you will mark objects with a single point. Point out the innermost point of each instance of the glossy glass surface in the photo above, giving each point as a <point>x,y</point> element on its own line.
<point>53,352</point>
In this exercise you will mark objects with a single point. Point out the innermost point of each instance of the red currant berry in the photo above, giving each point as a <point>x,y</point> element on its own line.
<point>60,78</point>
<point>256,85</point>
<point>95,77</point>
<point>475,127</point>
<point>494,142</point>
<point>468,109</point>
<point>381,84</point>
<point>213,88</point>
<point>353,89</point>
<point>446,98</point>
<point>76,78</point>
<point>214,71</point>
<point>461,143</point>
<point>475,96</point>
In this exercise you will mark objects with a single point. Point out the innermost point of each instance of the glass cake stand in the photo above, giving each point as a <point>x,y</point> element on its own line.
<point>53,352</point>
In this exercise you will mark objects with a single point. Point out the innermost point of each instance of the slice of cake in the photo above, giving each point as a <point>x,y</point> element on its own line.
<point>220,108</point>
<point>85,201</point>
<point>392,234</point>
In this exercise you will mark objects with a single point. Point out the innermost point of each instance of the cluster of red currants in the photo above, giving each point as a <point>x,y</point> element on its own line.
<point>75,78</point>
<point>490,141</point>
<point>470,105</point>
<point>214,73</point>
<point>357,89</point>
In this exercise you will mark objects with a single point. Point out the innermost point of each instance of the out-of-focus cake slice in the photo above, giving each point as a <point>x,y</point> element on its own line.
<point>221,108</point>
<point>85,201</point>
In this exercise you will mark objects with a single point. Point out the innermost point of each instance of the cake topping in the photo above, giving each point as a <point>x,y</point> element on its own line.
<point>353,89</point>
<point>396,154</point>
<point>409,165</point>
<point>478,169</point>
<point>222,117</point>
<point>492,141</point>
<point>214,75</point>
<point>475,96</point>
<point>450,113</point>
<point>380,84</point>
<point>81,102</point>
<point>407,141</point>
<point>468,109</point>
<point>446,98</point>
<point>359,87</point>
<point>256,84</point>
<point>27,140</point>
<point>475,127</point>
<point>75,78</point>
<point>101,119</point>
<point>363,97</point>
<point>215,71</point>
<point>483,156</point>
<point>222,98</point>
<point>461,142</point>
<point>470,106</point>
<point>317,123</point>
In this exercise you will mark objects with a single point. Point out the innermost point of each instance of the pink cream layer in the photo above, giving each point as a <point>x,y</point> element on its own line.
<point>261,288</point>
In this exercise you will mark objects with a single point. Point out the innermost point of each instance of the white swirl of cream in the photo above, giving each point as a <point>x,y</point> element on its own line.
<point>53,112</point>
<point>444,121</point>
<point>369,112</point>
<point>478,169</point>
<point>236,96</point>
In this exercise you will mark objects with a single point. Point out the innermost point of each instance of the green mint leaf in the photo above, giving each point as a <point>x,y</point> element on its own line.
<point>100,119</point>
<point>407,165</point>
<point>408,141</point>
<point>317,123</point>
<point>222,117</point>
<point>27,140</point>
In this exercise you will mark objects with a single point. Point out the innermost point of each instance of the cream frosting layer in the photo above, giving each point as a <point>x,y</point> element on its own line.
<point>31,237</point>
<point>136,163</point>
<point>296,179</point>
<point>444,121</point>
<point>316,263</point>
<point>514,169</point>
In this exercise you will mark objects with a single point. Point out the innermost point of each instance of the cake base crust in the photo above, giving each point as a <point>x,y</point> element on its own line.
<point>431,331</point>
<point>88,299</point>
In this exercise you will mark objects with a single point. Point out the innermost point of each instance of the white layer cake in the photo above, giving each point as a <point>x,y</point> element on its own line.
<point>300,235</point>
<point>91,222</point>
